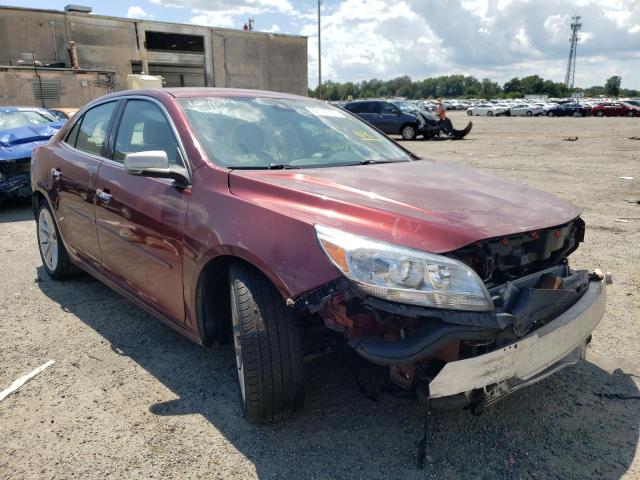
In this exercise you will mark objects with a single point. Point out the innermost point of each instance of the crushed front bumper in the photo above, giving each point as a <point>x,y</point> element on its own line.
<point>559,343</point>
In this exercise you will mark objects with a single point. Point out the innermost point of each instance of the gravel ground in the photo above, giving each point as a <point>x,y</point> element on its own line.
<point>130,398</point>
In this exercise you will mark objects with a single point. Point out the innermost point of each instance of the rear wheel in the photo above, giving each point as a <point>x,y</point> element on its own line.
<point>268,348</point>
<point>550,114</point>
<point>489,113</point>
<point>600,113</point>
<point>469,112</point>
<point>529,114</point>
<point>52,251</point>
<point>630,113</point>
<point>408,132</point>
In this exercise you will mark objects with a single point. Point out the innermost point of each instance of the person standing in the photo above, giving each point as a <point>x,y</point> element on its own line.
<point>441,112</point>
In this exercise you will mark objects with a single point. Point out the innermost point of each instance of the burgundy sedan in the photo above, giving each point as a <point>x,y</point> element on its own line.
<point>615,109</point>
<point>261,218</point>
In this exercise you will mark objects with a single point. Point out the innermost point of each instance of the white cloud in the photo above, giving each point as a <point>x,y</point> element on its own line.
<point>274,29</point>
<point>212,19</point>
<point>137,12</point>
<point>234,7</point>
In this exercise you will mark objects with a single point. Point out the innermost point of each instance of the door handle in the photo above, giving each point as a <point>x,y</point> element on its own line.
<point>56,173</point>
<point>103,195</point>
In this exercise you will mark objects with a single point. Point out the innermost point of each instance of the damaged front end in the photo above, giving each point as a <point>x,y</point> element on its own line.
<point>456,351</point>
<point>14,179</point>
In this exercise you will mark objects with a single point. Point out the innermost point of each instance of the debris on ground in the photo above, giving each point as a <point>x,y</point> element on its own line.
<point>633,138</point>
<point>570,139</point>
<point>621,220</point>
<point>24,379</point>
<point>625,178</point>
<point>632,200</point>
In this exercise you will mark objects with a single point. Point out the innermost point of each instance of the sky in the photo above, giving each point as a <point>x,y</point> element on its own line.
<point>363,39</point>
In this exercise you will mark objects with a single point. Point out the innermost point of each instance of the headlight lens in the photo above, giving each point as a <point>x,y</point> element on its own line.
<point>404,275</point>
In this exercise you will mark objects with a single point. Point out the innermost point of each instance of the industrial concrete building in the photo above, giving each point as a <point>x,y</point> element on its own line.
<point>109,48</point>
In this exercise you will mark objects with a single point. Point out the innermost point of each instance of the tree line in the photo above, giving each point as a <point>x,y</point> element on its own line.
<point>461,86</point>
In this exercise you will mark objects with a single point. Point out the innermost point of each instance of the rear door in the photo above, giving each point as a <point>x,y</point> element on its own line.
<point>75,164</point>
<point>140,220</point>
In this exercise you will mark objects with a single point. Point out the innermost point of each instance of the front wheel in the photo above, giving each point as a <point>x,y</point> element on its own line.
<point>600,113</point>
<point>268,348</point>
<point>630,113</point>
<point>489,113</point>
<point>550,114</point>
<point>55,258</point>
<point>469,112</point>
<point>529,114</point>
<point>408,132</point>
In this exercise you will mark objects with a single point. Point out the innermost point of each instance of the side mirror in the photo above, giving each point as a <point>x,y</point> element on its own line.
<point>155,163</point>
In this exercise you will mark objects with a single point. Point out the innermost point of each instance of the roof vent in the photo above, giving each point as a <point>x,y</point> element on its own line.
<point>77,8</point>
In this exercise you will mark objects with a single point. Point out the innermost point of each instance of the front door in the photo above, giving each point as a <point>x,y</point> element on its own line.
<point>75,164</point>
<point>140,220</point>
<point>389,118</point>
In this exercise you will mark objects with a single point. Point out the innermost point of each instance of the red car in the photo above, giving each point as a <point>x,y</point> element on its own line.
<point>615,109</point>
<point>262,217</point>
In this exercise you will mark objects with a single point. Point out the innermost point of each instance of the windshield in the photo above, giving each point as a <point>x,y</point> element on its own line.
<point>244,132</point>
<point>405,106</point>
<point>24,118</point>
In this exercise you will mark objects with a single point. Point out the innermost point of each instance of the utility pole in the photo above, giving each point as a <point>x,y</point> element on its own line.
<point>576,24</point>
<point>319,90</point>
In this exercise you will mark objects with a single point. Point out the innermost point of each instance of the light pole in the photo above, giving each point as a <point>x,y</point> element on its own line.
<point>319,55</point>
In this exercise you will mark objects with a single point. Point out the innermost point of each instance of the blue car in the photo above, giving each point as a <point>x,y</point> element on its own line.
<point>393,117</point>
<point>21,130</point>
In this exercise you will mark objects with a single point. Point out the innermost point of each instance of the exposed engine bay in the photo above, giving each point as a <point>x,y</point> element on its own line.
<point>526,274</point>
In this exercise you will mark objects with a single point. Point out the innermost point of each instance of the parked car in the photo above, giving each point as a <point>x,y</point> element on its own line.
<point>262,218</point>
<point>488,109</point>
<point>572,110</point>
<point>615,109</point>
<point>21,130</point>
<point>63,113</point>
<point>392,117</point>
<point>525,110</point>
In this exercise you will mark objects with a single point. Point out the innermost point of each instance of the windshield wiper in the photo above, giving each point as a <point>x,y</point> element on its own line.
<point>281,166</point>
<point>371,162</point>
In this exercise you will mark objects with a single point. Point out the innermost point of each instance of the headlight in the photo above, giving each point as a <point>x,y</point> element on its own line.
<point>404,275</point>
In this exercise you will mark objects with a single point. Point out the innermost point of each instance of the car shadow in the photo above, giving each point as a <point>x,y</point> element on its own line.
<point>581,423</point>
<point>15,211</point>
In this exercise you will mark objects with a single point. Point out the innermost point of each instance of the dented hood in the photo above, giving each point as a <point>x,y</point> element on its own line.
<point>432,206</point>
<point>18,142</point>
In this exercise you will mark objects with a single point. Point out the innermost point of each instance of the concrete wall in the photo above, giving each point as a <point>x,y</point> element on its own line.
<point>61,88</point>
<point>232,58</point>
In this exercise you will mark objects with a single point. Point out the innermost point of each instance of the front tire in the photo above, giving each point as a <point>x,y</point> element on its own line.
<point>55,258</point>
<point>489,113</point>
<point>268,348</point>
<point>600,113</point>
<point>469,112</point>
<point>529,114</point>
<point>408,132</point>
<point>550,114</point>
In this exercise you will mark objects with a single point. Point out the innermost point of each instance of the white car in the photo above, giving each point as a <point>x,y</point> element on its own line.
<point>488,109</point>
<point>526,110</point>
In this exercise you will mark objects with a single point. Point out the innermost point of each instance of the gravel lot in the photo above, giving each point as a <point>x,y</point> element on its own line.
<point>130,398</point>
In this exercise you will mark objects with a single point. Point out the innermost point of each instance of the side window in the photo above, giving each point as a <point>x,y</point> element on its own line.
<point>355,107</point>
<point>144,127</point>
<point>93,128</point>
<point>388,108</point>
<point>73,134</point>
